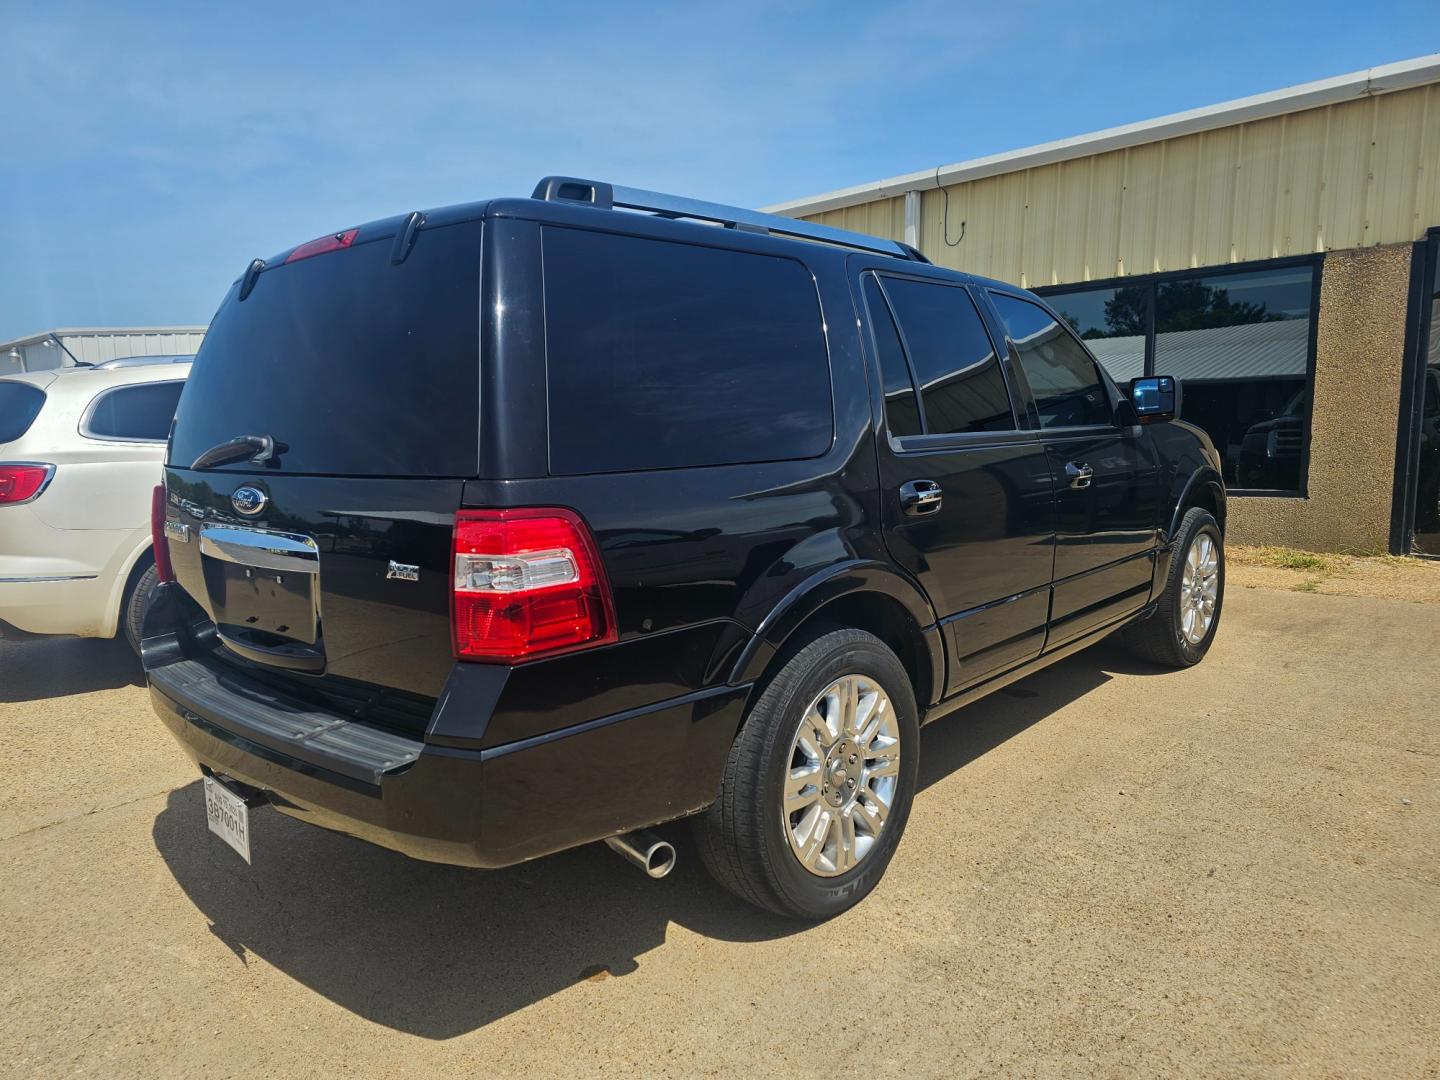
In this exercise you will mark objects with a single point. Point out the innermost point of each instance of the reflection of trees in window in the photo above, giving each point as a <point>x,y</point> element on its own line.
<point>1179,305</point>
<point>1185,305</point>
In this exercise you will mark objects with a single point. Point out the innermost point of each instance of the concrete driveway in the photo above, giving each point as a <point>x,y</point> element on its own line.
<point>1232,870</point>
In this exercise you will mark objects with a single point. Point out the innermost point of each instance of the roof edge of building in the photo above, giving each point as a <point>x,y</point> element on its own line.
<point>70,331</point>
<point>1383,79</point>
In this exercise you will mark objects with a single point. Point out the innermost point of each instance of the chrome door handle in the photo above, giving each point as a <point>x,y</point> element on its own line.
<point>920,497</point>
<point>1079,474</point>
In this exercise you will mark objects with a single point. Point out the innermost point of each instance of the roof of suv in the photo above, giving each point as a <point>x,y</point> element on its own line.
<point>119,372</point>
<point>562,199</point>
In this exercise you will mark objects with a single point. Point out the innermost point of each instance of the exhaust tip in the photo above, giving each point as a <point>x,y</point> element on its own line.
<point>660,860</point>
<point>645,850</point>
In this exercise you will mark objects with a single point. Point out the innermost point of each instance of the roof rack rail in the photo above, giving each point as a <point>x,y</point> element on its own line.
<point>143,361</point>
<point>606,196</point>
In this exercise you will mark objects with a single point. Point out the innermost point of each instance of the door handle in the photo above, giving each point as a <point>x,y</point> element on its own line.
<point>920,497</point>
<point>1079,474</point>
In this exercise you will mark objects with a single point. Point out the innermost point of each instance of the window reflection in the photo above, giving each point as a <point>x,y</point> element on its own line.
<point>1113,323</point>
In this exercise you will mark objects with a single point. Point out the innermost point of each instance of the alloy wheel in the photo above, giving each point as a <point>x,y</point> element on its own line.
<point>1199,588</point>
<point>844,769</point>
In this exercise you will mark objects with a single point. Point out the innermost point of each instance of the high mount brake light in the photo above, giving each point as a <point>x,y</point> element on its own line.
<point>333,242</point>
<point>22,481</point>
<point>158,543</point>
<point>527,583</point>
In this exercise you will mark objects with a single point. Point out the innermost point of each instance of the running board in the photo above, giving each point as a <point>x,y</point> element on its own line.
<point>1030,667</point>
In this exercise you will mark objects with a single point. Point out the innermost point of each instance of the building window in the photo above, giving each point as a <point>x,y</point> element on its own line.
<point>1240,340</point>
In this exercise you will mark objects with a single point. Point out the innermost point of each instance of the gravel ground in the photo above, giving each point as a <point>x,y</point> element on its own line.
<point>1110,871</point>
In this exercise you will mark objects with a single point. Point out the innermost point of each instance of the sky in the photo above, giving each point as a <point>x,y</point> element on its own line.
<point>149,151</point>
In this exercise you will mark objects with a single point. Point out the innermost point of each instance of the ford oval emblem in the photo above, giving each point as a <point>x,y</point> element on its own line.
<point>248,500</point>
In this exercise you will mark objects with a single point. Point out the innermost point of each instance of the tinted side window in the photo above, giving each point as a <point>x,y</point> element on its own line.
<point>134,412</point>
<point>19,405</point>
<point>1066,384</point>
<point>961,385</point>
<point>902,414</point>
<point>662,355</point>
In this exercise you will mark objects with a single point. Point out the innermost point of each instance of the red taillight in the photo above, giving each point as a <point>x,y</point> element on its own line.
<point>163,570</point>
<point>527,583</point>
<point>22,482</point>
<point>333,242</point>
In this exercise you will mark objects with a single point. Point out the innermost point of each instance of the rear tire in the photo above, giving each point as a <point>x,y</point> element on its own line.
<point>137,603</point>
<point>867,749</point>
<point>1197,572</point>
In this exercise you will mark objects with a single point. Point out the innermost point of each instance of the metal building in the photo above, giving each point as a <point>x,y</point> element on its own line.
<point>1277,252</point>
<point>92,345</point>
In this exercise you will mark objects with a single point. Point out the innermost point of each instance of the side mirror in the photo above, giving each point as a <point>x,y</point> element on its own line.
<point>1155,399</point>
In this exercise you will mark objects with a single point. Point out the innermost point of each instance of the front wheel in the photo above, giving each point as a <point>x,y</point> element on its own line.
<point>819,782</point>
<point>1187,615</point>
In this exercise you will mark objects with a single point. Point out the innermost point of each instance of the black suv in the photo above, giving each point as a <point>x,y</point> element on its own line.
<point>508,527</point>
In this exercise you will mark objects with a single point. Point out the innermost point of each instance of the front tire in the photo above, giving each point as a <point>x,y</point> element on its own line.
<point>819,782</point>
<point>1180,632</point>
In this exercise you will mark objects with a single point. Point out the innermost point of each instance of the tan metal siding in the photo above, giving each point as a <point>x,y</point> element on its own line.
<point>1349,175</point>
<point>885,217</point>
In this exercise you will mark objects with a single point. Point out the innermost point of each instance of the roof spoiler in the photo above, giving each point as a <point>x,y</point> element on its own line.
<point>605,196</point>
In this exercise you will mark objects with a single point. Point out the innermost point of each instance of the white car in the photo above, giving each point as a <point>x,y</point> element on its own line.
<point>80,454</point>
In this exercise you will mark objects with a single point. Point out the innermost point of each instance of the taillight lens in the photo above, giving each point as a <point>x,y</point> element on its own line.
<point>528,583</point>
<point>333,242</point>
<point>21,483</point>
<point>163,569</point>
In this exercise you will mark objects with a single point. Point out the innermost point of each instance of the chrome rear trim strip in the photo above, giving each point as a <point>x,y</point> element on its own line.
<point>261,548</point>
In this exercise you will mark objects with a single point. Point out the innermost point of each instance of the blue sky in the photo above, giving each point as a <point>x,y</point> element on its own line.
<point>148,151</point>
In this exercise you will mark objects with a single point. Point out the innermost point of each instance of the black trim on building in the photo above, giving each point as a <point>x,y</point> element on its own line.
<point>1425,255</point>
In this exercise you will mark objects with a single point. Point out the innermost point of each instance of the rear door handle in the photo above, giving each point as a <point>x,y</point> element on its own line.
<point>920,497</point>
<point>1079,474</point>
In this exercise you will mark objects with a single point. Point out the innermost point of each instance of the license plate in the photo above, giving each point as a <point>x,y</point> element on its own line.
<point>228,816</point>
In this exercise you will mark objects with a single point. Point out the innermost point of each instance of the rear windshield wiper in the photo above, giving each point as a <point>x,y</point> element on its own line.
<point>260,449</point>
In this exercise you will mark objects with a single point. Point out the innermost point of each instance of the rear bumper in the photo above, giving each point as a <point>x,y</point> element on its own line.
<point>471,807</point>
<point>56,604</point>
<point>63,581</point>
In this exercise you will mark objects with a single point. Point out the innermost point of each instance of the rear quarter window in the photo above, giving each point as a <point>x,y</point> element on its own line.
<point>664,355</point>
<point>142,412</point>
<point>20,403</point>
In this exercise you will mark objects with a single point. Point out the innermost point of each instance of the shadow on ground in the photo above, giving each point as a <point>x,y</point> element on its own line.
<point>44,668</point>
<point>438,951</point>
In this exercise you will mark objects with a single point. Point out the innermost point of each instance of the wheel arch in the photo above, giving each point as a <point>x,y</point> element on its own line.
<point>1204,488</point>
<point>135,563</point>
<point>868,596</point>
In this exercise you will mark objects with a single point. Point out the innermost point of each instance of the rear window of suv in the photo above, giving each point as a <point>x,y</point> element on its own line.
<point>663,355</point>
<point>359,366</point>
<point>20,403</point>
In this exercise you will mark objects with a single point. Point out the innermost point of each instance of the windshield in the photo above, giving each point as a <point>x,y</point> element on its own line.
<point>353,365</point>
